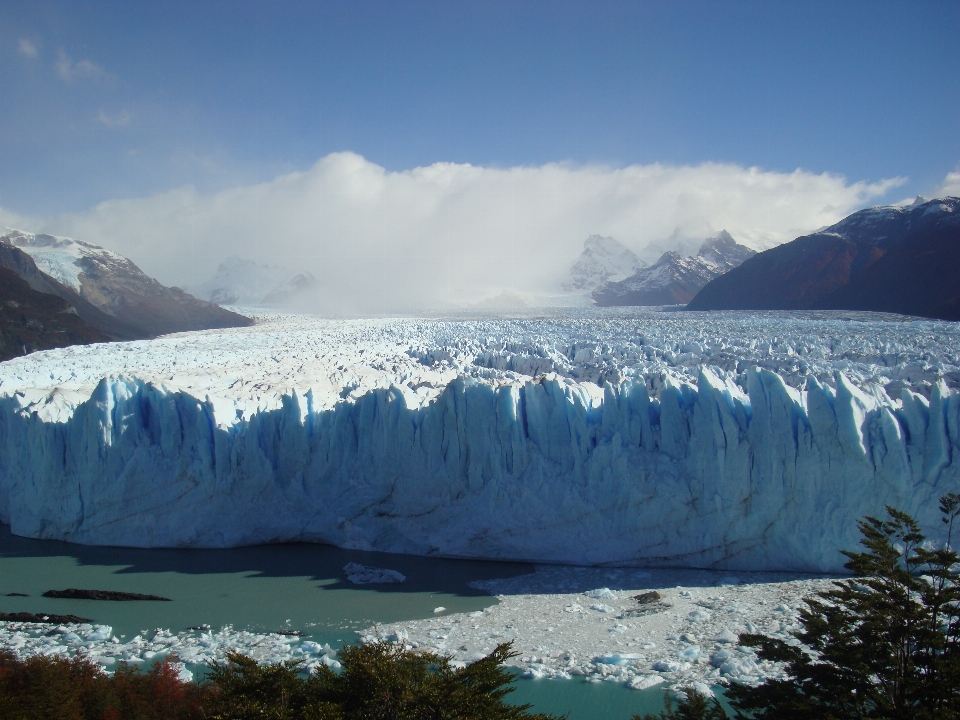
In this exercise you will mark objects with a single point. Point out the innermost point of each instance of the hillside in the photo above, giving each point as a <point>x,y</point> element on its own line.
<point>887,259</point>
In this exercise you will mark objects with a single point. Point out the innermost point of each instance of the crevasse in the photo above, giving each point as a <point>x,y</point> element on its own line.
<point>705,475</point>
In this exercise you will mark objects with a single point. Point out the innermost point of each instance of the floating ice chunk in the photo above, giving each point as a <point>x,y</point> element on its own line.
<point>691,653</point>
<point>670,666</point>
<point>602,594</point>
<point>439,609</point>
<point>183,674</point>
<point>699,615</point>
<point>364,575</point>
<point>645,682</point>
<point>99,633</point>
<point>739,667</point>
<point>330,662</point>
<point>719,657</point>
<point>725,636</point>
<point>617,659</point>
<point>728,581</point>
<point>701,688</point>
<point>573,608</point>
<point>601,607</point>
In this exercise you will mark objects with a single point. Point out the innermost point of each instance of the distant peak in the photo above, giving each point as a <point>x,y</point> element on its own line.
<point>919,201</point>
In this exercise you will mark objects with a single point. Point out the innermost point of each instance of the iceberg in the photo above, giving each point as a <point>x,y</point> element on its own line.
<point>427,437</point>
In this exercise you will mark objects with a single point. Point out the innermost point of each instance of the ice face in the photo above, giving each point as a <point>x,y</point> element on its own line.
<point>634,437</point>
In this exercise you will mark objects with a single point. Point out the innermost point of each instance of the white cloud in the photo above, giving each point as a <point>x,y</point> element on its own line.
<point>27,48</point>
<point>121,119</point>
<point>950,186</point>
<point>385,241</point>
<point>15,221</point>
<point>68,70</point>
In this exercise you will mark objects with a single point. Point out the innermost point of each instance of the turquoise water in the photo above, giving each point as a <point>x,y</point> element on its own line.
<point>278,587</point>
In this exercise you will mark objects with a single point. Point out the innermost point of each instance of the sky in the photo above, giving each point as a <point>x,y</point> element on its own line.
<point>430,145</point>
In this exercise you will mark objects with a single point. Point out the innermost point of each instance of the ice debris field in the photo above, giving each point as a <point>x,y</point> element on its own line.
<point>633,437</point>
<point>199,646</point>
<point>606,625</point>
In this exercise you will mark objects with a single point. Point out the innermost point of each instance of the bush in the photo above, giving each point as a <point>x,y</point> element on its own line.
<point>378,681</point>
<point>691,705</point>
<point>381,680</point>
<point>55,688</point>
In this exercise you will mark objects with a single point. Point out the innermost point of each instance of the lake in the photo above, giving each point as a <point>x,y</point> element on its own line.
<point>278,587</point>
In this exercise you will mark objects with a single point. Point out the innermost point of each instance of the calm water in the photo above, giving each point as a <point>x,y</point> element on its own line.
<point>276,587</point>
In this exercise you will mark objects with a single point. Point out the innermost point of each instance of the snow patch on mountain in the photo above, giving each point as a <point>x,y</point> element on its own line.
<point>61,257</point>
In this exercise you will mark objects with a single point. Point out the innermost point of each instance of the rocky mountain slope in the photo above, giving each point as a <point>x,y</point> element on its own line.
<point>603,259</point>
<point>108,290</point>
<point>674,279</point>
<point>887,259</point>
<point>32,320</point>
<point>239,281</point>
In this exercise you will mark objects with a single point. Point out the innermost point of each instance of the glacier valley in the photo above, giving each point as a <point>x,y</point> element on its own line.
<point>629,437</point>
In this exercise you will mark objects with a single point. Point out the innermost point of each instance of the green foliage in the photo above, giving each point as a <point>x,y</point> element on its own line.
<point>883,645</point>
<point>382,681</point>
<point>239,689</point>
<point>694,705</point>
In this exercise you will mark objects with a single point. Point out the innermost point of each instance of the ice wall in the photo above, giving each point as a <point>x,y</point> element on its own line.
<point>546,469</point>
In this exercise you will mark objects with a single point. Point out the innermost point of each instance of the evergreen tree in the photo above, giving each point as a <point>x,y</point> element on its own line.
<point>381,681</point>
<point>691,705</point>
<point>885,644</point>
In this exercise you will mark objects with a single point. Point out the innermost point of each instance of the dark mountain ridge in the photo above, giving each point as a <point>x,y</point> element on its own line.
<point>887,259</point>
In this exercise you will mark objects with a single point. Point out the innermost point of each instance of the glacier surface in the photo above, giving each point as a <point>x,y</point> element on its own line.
<point>596,436</point>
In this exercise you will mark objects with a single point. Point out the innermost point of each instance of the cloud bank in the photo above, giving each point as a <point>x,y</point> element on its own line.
<point>383,241</point>
<point>950,186</point>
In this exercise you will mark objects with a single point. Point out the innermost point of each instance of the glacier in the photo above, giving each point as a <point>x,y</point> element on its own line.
<point>629,437</point>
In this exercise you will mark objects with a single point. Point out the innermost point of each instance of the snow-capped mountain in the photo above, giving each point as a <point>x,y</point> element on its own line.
<point>603,259</point>
<point>239,281</point>
<point>887,259</point>
<point>675,279</point>
<point>108,290</point>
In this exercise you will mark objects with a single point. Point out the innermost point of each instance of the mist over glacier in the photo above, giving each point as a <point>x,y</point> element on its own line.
<point>734,440</point>
<point>451,234</point>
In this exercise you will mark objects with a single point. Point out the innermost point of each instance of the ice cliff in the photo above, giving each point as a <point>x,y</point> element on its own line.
<point>422,443</point>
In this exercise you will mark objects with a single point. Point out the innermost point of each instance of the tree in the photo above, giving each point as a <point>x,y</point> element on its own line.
<point>381,681</point>
<point>691,705</point>
<point>885,644</point>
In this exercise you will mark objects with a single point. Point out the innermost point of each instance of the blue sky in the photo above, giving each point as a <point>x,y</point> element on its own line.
<point>101,100</point>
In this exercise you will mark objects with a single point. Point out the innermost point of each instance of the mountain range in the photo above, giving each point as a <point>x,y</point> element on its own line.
<point>107,295</point>
<point>674,279</point>
<point>885,259</point>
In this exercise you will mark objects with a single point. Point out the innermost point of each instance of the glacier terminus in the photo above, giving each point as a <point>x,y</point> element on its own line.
<point>630,437</point>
